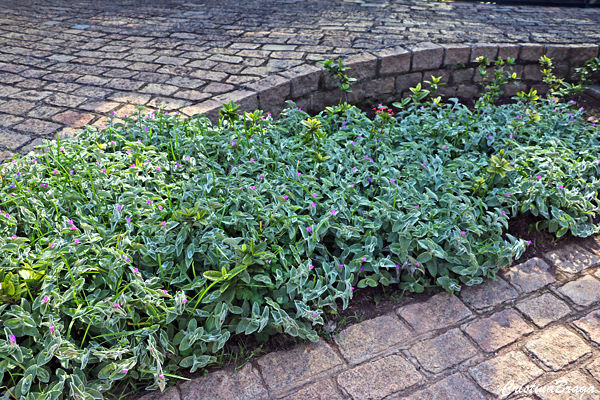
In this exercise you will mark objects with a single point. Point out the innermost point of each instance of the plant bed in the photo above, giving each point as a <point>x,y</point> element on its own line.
<point>143,247</point>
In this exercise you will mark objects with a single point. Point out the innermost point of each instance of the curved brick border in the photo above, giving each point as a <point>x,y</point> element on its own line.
<point>387,74</point>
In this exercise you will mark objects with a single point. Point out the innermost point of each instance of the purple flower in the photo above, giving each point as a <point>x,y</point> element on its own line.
<point>46,299</point>
<point>393,180</point>
<point>252,160</point>
<point>13,339</point>
<point>518,116</point>
<point>503,212</point>
<point>353,168</point>
<point>148,201</point>
<point>539,177</point>
<point>158,168</point>
<point>160,207</point>
<point>119,207</point>
<point>254,187</point>
<point>51,329</point>
<point>56,171</point>
<point>261,176</point>
<point>314,195</point>
<point>364,258</point>
<point>128,219</point>
<point>561,186</point>
<point>507,194</point>
<point>285,196</point>
<point>463,233</point>
<point>332,212</point>
<point>424,164</point>
<point>125,370</point>
<point>311,267</point>
<point>309,229</point>
<point>529,242</point>
<point>416,207</point>
<point>444,146</point>
<point>76,241</point>
<point>164,223</point>
<point>351,287</point>
<point>298,174</point>
<point>233,143</point>
<point>314,205</point>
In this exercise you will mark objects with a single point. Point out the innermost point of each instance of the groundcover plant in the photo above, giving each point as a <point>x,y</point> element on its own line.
<point>141,247</point>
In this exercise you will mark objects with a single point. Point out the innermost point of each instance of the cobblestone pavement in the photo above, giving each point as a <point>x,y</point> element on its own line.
<point>536,327</point>
<point>67,64</point>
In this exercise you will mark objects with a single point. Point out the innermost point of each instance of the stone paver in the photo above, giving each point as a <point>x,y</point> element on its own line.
<point>590,324</point>
<point>487,295</point>
<point>529,276</point>
<point>499,330</point>
<point>574,385</point>
<point>283,371</point>
<point>324,390</point>
<point>557,347</point>
<point>583,291</point>
<point>362,341</point>
<point>456,386</point>
<point>444,351</point>
<point>245,384</point>
<point>378,379</point>
<point>514,367</point>
<point>571,259</point>
<point>544,309</point>
<point>441,310</point>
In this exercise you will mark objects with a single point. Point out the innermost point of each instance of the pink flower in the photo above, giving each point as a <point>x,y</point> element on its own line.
<point>103,170</point>
<point>364,258</point>
<point>503,212</point>
<point>351,287</point>
<point>393,180</point>
<point>424,164</point>
<point>136,270</point>
<point>127,259</point>
<point>164,223</point>
<point>311,267</point>
<point>507,194</point>
<point>132,166</point>
<point>298,174</point>
<point>252,160</point>
<point>46,299</point>
<point>51,329</point>
<point>314,205</point>
<point>309,229</point>
<point>416,207</point>
<point>128,219</point>
<point>14,236</point>
<point>76,241</point>
<point>165,291</point>
<point>463,233</point>
<point>148,201</point>
<point>332,212</point>
<point>539,177</point>
<point>561,186</point>
<point>52,244</point>
<point>119,207</point>
<point>444,146</point>
<point>233,143</point>
<point>187,158</point>
<point>314,195</point>
<point>160,207</point>
<point>56,171</point>
<point>73,228</point>
<point>285,196</point>
<point>158,168</point>
<point>529,242</point>
<point>125,371</point>
<point>184,300</point>
<point>353,168</point>
<point>117,305</point>
<point>261,176</point>
<point>13,339</point>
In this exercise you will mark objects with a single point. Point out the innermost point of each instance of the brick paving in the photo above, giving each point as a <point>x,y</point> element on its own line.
<point>65,66</point>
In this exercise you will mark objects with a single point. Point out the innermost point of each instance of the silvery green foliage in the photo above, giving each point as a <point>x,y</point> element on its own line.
<point>144,246</point>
